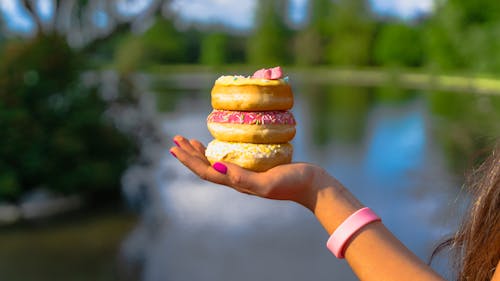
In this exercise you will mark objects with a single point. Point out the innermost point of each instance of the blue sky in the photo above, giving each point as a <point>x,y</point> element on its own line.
<point>237,14</point>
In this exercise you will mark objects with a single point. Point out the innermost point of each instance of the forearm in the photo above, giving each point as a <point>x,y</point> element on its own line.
<point>373,253</point>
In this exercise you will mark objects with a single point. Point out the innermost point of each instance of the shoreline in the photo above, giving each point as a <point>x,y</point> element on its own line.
<point>418,79</point>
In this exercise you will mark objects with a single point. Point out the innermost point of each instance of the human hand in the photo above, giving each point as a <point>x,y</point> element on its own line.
<point>298,182</point>
<point>331,203</point>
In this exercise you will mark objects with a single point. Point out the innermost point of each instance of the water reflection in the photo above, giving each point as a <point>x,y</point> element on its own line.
<point>339,112</point>
<point>396,143</point>
<point>401,152</point>
<point>381,143</point>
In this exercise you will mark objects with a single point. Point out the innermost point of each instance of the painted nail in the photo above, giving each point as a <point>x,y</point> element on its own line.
<point>219,167</point>
<point>176,143</point>
<point>173,154</point>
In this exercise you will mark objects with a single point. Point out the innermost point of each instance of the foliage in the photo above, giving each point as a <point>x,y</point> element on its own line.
<point>129,55</point>
<point>53,130</point>
<point>408,51</point>
<point>310,40</point>
<point>339,112</point>
<point>471,124</point>
<point>352,33</point>
<point>268,45</point>
<point>162,43</point>
<point>50,120</point>
<point>337,33</point>
<point>464,35</point>
<point>214,48</point>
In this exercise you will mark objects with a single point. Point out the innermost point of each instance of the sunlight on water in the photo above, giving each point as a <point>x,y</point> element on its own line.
<point>397,142</point>
<point>215,233</point>
<point>388,148</point>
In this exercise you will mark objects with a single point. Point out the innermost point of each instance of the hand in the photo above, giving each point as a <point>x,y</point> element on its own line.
<point>296,182</point>
<point>330,202</point>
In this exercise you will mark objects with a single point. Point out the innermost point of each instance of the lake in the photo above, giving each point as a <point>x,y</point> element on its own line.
<point>402,152</point>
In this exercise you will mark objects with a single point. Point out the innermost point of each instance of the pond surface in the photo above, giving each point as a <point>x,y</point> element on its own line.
<point>402,152</point>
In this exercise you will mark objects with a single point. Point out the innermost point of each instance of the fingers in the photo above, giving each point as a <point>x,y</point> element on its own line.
<point>191,153</point>
<point>192,147</point>
<point>198,146</point>
<point>201,167</point>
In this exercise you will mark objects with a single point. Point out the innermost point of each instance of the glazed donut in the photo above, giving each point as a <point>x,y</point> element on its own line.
<point>255,157</point>
<point>251,126</point>
<point>251,94</point>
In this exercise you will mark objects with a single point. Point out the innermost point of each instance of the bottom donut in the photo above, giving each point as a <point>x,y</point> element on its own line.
<point>255,157</point>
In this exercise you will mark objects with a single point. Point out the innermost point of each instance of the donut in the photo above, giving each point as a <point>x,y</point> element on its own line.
<point>255,157</point>
<point>251,94</point>
<point>251,126</point>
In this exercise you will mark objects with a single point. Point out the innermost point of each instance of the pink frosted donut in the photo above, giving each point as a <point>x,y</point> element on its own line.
<point>252,126</point>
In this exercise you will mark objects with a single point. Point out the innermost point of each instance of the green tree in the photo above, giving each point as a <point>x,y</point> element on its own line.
<point>214,48</point>
<point>339,112</point>
<point>310,41</point>
<point>398,44</point>
<point>2,33</point>
<point>352,34</point>
<point>77,20</point>
<point>54,133</point>
<point>163,43</point>
<point>464,125</point>
<point>268,44</point>
<point>464,35</point>
<point>129,55</point>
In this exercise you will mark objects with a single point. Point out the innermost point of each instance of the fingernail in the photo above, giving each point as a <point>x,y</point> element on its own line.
<point>219,167</point>
<point>176,143</point>
<point>173,154</point>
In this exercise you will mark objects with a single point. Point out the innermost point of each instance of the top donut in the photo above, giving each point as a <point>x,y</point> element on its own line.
<point>266,90</point>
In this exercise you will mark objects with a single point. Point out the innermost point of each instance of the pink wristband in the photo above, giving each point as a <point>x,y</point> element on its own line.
<point>337,242</point>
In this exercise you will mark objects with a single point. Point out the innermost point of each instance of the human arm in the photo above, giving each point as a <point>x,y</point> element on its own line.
<point>373,253</point>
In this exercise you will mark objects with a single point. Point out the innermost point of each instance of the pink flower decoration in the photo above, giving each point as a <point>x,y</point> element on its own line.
<point>269,73</point>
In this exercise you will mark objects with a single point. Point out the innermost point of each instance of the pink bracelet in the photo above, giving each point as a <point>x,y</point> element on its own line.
<point>337,242</point>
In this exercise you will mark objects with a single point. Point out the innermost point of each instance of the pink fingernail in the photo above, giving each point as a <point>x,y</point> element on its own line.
<point>173,154</point>
<point>176,143</point>
<point>219,167</point>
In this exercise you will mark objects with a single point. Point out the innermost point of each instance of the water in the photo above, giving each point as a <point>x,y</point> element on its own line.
<point>388,146</point>
<point>402,152</point>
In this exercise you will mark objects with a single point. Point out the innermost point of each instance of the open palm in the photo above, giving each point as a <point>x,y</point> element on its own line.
<point>285,182</point>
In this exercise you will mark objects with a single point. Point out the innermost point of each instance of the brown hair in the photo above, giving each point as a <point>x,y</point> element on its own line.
<point>476,244</point>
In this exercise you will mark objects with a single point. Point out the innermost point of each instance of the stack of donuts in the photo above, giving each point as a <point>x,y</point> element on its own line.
<point>251,121</point>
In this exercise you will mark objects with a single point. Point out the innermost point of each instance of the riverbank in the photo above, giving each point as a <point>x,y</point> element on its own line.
<point>77,246</point>
<point>405,78</point>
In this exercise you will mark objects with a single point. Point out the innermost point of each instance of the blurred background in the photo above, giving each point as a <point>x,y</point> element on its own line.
<point>398,99</point>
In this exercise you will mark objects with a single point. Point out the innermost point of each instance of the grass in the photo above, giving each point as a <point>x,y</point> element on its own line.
<point>82,247</point>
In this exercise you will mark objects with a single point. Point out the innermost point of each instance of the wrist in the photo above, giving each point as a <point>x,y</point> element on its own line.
<point>333,202</point>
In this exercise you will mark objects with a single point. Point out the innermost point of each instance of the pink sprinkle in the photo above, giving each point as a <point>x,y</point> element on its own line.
<point>251,117</point>
<point>269,73</point>
<point>276,73</point>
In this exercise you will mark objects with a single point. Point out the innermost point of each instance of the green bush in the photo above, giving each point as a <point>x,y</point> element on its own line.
<point>213,48</point>
<point>54,134</point>
<point>398,44</point>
